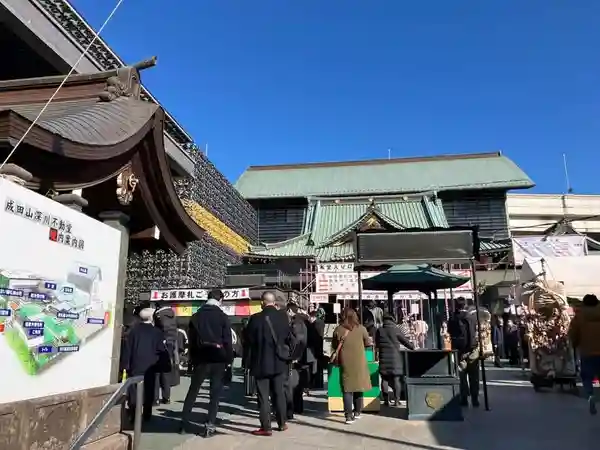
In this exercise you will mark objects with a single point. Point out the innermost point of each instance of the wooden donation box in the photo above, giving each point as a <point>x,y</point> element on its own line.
<point>372,401</point>
<point>432,385</point>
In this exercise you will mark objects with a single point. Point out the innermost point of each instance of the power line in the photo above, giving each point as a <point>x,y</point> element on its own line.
<point>85,51</point>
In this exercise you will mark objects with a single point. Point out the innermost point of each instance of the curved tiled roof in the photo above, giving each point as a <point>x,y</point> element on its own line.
<point>89,121</point>
<point>96,127</point>
<point>383,176</point>
<point>330,222</point>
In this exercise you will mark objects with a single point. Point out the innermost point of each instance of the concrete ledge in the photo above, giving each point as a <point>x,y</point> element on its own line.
<point>52,423</point>
<point>119,441</point>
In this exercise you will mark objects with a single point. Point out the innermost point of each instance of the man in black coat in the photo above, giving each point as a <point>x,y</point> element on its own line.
<point>462,327</point>
<point>164,320</point>
<point>141,352</point>
<point>390,339</point>
<point>267,340</point>
<point>298,375</point>
<point>210,352</point>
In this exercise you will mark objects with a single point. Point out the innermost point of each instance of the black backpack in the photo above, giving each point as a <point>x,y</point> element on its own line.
<point>466,338</point>
<point>298,340</point>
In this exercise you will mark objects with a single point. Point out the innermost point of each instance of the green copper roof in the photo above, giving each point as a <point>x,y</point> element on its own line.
<point>330,223</point>
<point>385,176</point>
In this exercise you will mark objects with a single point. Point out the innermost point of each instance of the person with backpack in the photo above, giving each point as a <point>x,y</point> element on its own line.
<point>298,378</point>
<point>462,327</point>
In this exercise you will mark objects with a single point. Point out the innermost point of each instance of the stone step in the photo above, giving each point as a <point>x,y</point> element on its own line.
<point>119,441</point>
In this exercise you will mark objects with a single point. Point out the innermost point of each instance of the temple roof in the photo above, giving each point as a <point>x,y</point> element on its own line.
<point>88,121</point>
<point>95,128</point>
<point>383,176</point>
<point>330,224</point>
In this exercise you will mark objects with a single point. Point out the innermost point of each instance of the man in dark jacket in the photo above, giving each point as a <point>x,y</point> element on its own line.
<point>164,320</point>
<point>462,327</point>
<point>142,349</point>
<point>316,336</point>
<point>297,379</point>
<point>267,341</point>
<point>389,341</point>
<point>210,352</point>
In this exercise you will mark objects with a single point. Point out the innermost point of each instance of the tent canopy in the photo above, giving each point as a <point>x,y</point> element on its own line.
<point>579,274</point>
<point>409,277</point>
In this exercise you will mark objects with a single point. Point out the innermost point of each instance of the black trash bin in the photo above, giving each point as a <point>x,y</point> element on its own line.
<point>432,386</point>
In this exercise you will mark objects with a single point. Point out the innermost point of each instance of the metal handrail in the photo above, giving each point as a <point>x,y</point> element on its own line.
<point>112,402</point>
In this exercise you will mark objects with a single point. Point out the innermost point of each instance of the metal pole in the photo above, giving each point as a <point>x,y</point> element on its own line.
<point>486,402</point>
<point>360,305</point>
<point>137,420</point>
<point>390,304</point>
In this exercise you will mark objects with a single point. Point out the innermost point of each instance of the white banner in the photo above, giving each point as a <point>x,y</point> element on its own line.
<point>544,246</point>
<point>197,294</point>
<point>468,286</point>
<point>382,295</point>
<point>340,279</point>
<point>58,292</point>
<point>319,298</point>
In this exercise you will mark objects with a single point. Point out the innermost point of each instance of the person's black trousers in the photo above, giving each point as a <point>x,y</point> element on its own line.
<point>353,404</point>
<point>395,381</point>
<point>215,373</point>
<point>164,381</point>
<point>293,387</point>
<point>271,387</point>
<point>149,383</point>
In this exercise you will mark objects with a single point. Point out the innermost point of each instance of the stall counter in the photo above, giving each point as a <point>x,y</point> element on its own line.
<point>372,401</point>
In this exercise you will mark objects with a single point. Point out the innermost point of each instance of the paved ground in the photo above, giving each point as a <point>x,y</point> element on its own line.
<point>519,418</point>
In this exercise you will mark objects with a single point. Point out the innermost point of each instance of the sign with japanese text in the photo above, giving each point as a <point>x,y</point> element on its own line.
<point>58,291</point>
<point>540,246</point>
<point>342,280</point>
<point>197,294</point>
<point>319,298</point>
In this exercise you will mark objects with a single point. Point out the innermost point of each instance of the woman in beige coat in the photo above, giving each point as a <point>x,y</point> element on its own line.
<point>349,340</point>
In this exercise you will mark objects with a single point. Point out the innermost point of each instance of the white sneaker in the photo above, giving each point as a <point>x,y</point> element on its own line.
<point>350,421</point>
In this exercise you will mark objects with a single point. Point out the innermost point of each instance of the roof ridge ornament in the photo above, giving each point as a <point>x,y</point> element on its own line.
<point>126,81</point>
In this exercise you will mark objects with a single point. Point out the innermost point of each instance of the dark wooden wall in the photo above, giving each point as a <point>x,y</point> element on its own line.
<point>280,220</point>
<point>486,209</point>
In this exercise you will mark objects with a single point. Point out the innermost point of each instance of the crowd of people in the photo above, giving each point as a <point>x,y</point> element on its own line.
<point>283,356</point>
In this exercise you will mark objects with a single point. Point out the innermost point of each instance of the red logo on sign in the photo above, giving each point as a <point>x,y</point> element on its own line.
<point>53,234</point>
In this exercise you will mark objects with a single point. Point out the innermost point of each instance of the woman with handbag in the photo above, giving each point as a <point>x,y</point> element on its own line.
<point>349,341</point>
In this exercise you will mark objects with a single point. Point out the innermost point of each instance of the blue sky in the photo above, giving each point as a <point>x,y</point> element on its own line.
<point>287,81</point>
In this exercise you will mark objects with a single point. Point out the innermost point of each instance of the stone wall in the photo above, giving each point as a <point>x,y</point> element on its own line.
<point>54,422</point>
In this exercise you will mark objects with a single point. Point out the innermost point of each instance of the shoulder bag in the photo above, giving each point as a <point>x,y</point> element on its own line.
<point>335,356</point>
<point>282,350</point>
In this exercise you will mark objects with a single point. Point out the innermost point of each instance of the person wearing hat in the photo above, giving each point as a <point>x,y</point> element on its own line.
<point>143,350</point>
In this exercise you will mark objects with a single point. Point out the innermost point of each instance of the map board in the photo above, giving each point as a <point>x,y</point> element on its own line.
<point>58,285</point>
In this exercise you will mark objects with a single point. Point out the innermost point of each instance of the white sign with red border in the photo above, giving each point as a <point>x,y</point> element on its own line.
<point>197,294</point>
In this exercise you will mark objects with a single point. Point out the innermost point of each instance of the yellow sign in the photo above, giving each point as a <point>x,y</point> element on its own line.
<point>255,307</point>
<point>184,311</point>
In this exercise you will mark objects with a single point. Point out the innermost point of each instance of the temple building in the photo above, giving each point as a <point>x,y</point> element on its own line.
<point>308,212</point>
